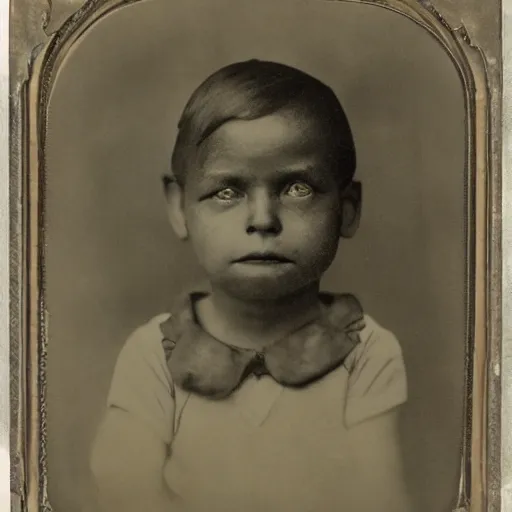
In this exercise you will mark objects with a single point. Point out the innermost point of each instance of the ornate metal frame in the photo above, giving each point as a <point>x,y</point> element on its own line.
<point>43,31</point>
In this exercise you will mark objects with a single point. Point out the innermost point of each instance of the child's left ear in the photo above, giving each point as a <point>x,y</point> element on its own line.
<point>351,202</point>
<point>174,196</point>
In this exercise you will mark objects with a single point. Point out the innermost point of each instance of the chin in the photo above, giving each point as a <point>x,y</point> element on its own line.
<point>270,289</point>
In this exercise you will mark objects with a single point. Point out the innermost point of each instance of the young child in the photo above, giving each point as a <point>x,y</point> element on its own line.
<point>260,393</point>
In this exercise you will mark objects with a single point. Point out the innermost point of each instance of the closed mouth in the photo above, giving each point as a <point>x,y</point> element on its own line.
<point>263,257</point>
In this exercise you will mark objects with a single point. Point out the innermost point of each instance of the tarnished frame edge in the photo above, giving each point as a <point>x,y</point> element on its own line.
<point>4,256</point>
<point>506,250</point>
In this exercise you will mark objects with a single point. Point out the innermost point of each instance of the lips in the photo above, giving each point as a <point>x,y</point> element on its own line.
<point>263,258</point>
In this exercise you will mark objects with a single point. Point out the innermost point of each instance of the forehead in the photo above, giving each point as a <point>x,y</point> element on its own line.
<point>278,139</point>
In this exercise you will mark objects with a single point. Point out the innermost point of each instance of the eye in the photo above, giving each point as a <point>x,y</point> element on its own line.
<point>226,195</point>
<point>299,189</point>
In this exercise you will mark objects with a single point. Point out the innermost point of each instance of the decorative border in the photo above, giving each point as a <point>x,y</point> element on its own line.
<point>506,406</point>
<point>37,51</point>
<point>4,255</point>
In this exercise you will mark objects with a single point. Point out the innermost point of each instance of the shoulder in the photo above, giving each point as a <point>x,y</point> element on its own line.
<point>142,355</point>
<point>376,343</point>
<point>146,339</point>
<point>141,383</point>
<point>148,331</point>
<point>377,377</point>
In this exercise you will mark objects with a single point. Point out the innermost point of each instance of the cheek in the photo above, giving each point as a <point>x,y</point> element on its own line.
<point>322,248</point>
<point>315,236</point>
<point>210,225</point>
<point>323,241</point>
<point>211,235</point>
<point>314,222</point>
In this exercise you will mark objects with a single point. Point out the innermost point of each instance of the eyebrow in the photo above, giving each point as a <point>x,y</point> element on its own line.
<point>299,172</point>
<point>229,178</point>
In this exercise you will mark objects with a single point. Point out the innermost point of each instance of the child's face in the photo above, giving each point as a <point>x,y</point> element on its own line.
<point>263,211</point>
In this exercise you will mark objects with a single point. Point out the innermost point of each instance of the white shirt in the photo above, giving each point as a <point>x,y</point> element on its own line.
<point>265,448</point>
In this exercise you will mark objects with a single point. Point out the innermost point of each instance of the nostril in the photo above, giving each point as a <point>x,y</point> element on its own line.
<point>273,229</point>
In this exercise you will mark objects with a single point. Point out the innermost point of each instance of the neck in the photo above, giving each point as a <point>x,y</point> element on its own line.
<point>259,322</point>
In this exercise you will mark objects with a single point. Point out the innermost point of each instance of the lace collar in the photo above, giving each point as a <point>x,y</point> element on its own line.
<point>202,364</point>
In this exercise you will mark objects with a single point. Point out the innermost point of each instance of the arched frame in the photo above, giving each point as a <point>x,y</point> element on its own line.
<point>39,48</point>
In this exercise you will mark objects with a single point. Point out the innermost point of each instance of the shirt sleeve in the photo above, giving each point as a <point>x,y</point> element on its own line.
<point>141,384</point>
<point>377,381</point>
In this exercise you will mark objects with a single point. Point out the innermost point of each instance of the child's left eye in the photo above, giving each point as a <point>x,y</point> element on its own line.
<point>299,189</point>
<point>226,194</point>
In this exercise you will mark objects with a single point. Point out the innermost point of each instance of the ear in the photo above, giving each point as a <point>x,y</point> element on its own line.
<point>175,211</point>
<point>351,202</point>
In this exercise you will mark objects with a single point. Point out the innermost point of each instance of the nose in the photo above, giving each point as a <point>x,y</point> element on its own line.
<point>263,214</point>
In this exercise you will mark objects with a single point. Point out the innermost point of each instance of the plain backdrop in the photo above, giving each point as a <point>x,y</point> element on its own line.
<point>113,262</point>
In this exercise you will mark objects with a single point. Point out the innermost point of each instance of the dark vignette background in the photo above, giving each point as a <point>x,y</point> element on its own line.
<point>113,261</point>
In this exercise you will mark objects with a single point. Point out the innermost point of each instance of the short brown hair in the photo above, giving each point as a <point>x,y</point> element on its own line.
<point>253,89</point>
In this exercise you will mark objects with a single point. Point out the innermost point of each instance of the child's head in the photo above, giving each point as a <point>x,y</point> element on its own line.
<point>263,166</point>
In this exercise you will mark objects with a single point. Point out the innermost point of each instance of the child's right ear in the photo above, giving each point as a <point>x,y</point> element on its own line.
<point>175,210</point>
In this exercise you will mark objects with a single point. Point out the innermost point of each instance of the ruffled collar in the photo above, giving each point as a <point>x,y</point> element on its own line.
<point>204,365</point>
